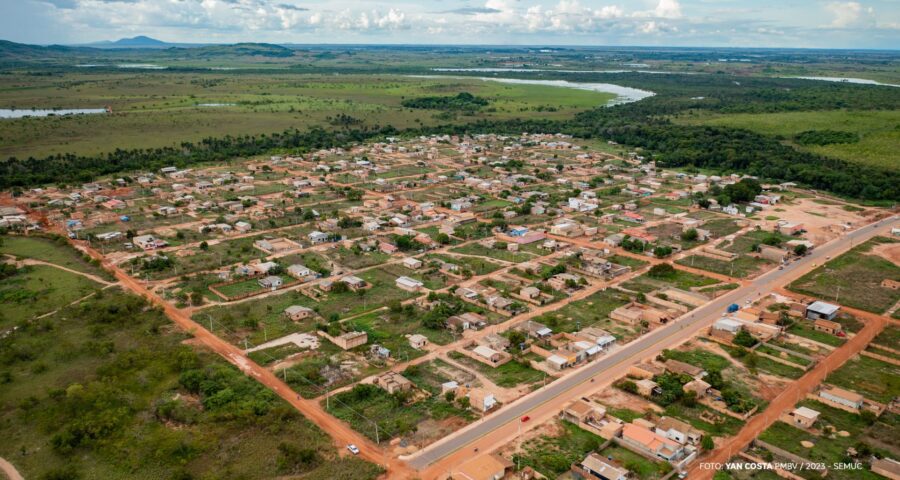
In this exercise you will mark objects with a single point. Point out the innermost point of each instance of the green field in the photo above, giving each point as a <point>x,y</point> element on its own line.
<point>879,131</point>
<point>856,276</point>
<point>55,251</point>
<point>38,290</point>
<point>152,109</point>
<point>99,390</point>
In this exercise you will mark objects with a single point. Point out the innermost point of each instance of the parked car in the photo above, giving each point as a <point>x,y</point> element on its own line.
<point>353,449</point>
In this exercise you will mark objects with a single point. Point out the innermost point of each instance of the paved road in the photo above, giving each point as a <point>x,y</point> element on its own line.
<point>606,369</point>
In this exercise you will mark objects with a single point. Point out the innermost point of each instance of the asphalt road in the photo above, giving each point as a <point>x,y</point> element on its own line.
<point>648,345</point>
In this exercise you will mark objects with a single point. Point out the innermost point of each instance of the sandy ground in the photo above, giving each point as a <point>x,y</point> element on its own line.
<point>823,222</point>
<point>889,251</point>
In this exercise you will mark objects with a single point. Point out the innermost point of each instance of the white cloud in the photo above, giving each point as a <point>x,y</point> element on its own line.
<point>850,15</point>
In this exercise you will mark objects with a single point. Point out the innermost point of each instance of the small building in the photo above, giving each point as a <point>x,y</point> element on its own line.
<point>408,284</point>
<point>597,466</point>
<point>301,272</point>
<point>645,370</point>
<point>675,429</point>
<point>481,400</point>
<point>727,325</point>
<point>318,237</point>
<point>298,312</point>
<point>774,254</point>
<point>697,386</point>
<point>350,340</point>
<point>679,367</point>
<point>821,310</point>
<point>801,417</point>
<point>412,263</point>
<point>886,467</point>
<point>536,329</point>
<point>392,382</point>
<point>839,396</point>
<point>647,387</point>
<point>530,293</point>
<point>482,467</point>
<point>487,353</point>
<point>272,282</point>
<point>828,326</point>
<point>355,283</point>
<point>418,341</point>
<point>644,440</point>
<point>581,411</point>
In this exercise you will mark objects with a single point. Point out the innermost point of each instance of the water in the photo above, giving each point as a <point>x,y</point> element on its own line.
<point>541,70</point>
<point>21,113</point>
<point>623,94</point>
<point>860,81</point>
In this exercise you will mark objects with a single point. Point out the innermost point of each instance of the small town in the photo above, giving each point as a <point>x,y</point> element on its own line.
<point>479,307</point>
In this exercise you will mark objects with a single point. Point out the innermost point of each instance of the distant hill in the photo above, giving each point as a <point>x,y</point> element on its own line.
<point>137,49</point>
<point>140,41</point>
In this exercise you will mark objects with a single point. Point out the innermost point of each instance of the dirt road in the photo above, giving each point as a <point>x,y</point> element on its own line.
<point>9,470</point>
<point>341,433</point>
<point>790,396</point>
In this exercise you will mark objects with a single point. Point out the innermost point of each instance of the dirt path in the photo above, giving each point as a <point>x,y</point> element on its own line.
<point>10,470</point>
<point>790,396</point>
<point>340,432</point>
<point>31,261</point>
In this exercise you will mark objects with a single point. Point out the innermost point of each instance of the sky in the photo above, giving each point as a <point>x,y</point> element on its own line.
<point>723,23</point>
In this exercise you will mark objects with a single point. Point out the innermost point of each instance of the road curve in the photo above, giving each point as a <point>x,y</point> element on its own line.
<point>646,346</point>
<point>10,470</point>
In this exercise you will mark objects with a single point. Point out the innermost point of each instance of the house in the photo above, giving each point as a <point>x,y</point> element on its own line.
<point>581,411</point>
<point>727,325</point>
<point>355,283</point>
<point>677,367</point>
<point>318,237</point>
<point>774,254</point>
<point>647,387</point>
<point>298,312</point>
<point>646,441</point>
<point>535,329</point>
<point>828,326</point>
<point>530,293</point>
<point>483,467</point>
<point>243,227</point>
<point>408,284</point>
<point>488,353</point>
<point>148,242</point>
<point>645,370</point>
<point>675,429</point>
<point>301,272</point>
<point>697,386</point>
<point>596,466</point>
<point>271,282</point>
<point>598,336</point>
<point>886,467</point>
<point>412,263</point>
<point>561,281</point>
<point>481,400</point>
<point>379,351</point>
<point>841,398</point>
<point>495,341</point>
<point>392,382</point>
<point>350,339</point>
<point>817,310</point>
<point>801,417</point>
<point>418,341</point>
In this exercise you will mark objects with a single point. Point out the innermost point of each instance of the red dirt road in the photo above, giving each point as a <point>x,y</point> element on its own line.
<point>341,433</point>
<point>791,395</point>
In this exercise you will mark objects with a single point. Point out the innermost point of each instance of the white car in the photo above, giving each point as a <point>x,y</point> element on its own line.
<point>353,449</point>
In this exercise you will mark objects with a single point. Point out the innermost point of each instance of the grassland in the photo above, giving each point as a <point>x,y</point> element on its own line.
<point>877,380</point>
<point>37,290</point>
<point>48,250</point>
<point>878,131</point>
<point>857,275</point>
<point>100,390</point>
<point>152,109</point>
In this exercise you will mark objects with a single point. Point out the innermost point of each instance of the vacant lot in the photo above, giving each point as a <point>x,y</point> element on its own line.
<point>55,251</point>
<point>854,279</point>
<point>39,289</point>
<point>877,380</point>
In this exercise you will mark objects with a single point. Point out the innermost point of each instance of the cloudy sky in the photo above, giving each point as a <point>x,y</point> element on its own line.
<point>736,23</point>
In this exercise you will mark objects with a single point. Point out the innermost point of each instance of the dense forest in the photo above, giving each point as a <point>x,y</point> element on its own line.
<point>647,124</point>
<point>460,101</point>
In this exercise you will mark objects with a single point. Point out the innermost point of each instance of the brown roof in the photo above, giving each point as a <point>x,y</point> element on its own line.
<point>482,467</point>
